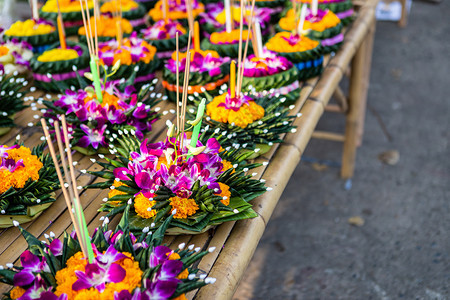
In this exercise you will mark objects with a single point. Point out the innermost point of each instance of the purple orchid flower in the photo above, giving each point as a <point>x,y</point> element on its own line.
<point>236,102</point>
<point>159,255</point>
<point>160,289</point>
<point>125,295</point>
<point>175,179</point>
<point>94,137</point>
<point>11,165</point>
<point>4,149</point>
<point>56,247</point>
<point>39,290</point>
<point>95,276</point>
<point>109,257</point>
<point>31,264</point>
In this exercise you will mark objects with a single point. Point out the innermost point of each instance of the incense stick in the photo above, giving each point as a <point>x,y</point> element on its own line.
<point>241,70</point>
<point>178,82</point>
<point>61,31</point>
<point>241,26</point>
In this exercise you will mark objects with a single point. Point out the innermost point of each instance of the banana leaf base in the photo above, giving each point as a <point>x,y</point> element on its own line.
<point>309,69</point>
<point>90,151</point>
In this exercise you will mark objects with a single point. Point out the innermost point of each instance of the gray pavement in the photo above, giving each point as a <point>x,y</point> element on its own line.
<point>309,249</point>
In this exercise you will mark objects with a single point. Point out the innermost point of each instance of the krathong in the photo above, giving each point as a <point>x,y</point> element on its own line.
<point>213,19</point>
<point>133,53</point>
<point>177,10</point>
<point>55,66</point>
<point>202,185</point>
<point>15,56</point>
<point>94,125</point>
<point>225,43</point>
<point>131,10</point>
<point>70,12</point>
<point>208,72</point>
<point>124,266</point>
<point>12,94</point>
<point>305,53</point>
<point>325,27</point>
<point>107,28</point>
<point>342,8</point>
<point>27,183</point>
<point>40,34</point>
<point>270,74</point>
<point>248,123</point>
<point>162,35</point>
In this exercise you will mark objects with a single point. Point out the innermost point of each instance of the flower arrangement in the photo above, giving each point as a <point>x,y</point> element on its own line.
<point>162,35</point>
<point>15,55</point>
<point>54,67</point>
<point>134,52</point>
<point>213,19</point>
<point>342,8</point>
<point>208,71</point>
<point>325,27</point>
<point>40,34</point>
<point>70,12</point>
<point>250,124</point>
<point>226,43</point>
<point>11,99</point>
<point>124,266</point>
<point>271,74</point>
<point>106,28</point>
<point>95,124</point>
<point>27,183</point>
<point>305,53</point>
<point>177,10</point>
<point>131,10</point>
<point>201,185</point>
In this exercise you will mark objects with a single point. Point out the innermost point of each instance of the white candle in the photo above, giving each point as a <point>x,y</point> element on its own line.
<point>302,19</point>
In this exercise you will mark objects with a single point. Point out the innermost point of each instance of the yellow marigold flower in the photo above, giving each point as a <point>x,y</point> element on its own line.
<point>112,6</point>
<point>246,114</point>
<point>29,28</point>
<point>65,6</point>
<point>225,193</point>
<point>182,55</point>
<point>58,54</point>
<point>115,192</point>
<point>156,13</point>
<point>174,256</point>
<point>141,206</point>
<point>228,37</point>
<point>280,43</point>
<point>185,207</point>
<point>184,274</point>
<point>17,292</point>
<point>328,21</point>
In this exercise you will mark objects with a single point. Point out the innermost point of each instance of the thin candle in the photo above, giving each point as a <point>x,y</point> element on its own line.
<point>165,11</point>
<point>196,36</point>
<point>314,7</point>
<point>34,9</point>
<point>258,37</point>
<point>228,19</point>
<point>61,31</point>
<point>233,79</point>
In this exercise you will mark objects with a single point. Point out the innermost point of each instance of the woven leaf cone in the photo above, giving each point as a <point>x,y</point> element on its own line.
<point>25,204</point>
<point>211,211</point>
<point>12,93</point>
<point>141,257</point>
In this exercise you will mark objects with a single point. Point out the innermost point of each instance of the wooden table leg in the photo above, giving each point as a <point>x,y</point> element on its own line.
<point>359,81</point>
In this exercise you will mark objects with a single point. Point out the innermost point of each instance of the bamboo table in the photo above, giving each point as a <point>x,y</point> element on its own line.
<point>235,242</point>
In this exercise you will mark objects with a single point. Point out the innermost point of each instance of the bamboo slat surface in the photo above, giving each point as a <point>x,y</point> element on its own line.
<point>235,242</point>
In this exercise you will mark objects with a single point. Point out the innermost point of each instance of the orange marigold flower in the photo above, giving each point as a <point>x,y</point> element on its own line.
<point>183,275</point>
<point>227,165</point>
<point>156,12</point>
<point>106,26</point>
<point>173,256</point>
<point>17,292</point>
<point>141,206</point>
<point>3,50</point>
<point>111,6</point>
<point>185,207</point>
<point>328,21</point>
<point>182,55</point>
<point>181,297</point>
<point>115,192</point>
<point>225,193</point>
<point>246,114</point>
<point>280,43</point>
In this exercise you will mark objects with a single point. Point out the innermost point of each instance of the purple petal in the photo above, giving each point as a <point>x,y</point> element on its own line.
<point>56,247</point>
<point>24,277</point>
<point>170,269</point>
<point>163,289</point>
<point>83,142</point>
<point>116,273</point>
<point>143,180</point>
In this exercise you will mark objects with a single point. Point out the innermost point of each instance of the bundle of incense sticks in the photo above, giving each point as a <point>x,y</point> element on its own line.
<point>92,43</point>
<point>69,186</point>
